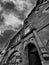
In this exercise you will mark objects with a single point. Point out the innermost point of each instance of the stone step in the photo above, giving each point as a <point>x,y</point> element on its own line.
<point>44,53</point>
<point>46,56</point>
<point>43,50</point>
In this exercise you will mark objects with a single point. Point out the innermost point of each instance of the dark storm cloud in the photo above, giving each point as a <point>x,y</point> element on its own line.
<point>9,5</point>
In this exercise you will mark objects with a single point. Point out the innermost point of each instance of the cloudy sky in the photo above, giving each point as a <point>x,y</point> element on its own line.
<point>17,15</point>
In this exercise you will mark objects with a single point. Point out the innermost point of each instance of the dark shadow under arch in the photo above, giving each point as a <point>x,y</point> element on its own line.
<point>33,55</point>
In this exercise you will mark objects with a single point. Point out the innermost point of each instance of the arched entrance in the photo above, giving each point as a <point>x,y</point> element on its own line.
<point>33,55</point>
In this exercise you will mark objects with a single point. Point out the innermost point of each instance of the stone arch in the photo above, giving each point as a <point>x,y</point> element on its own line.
<point>32,53</point>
